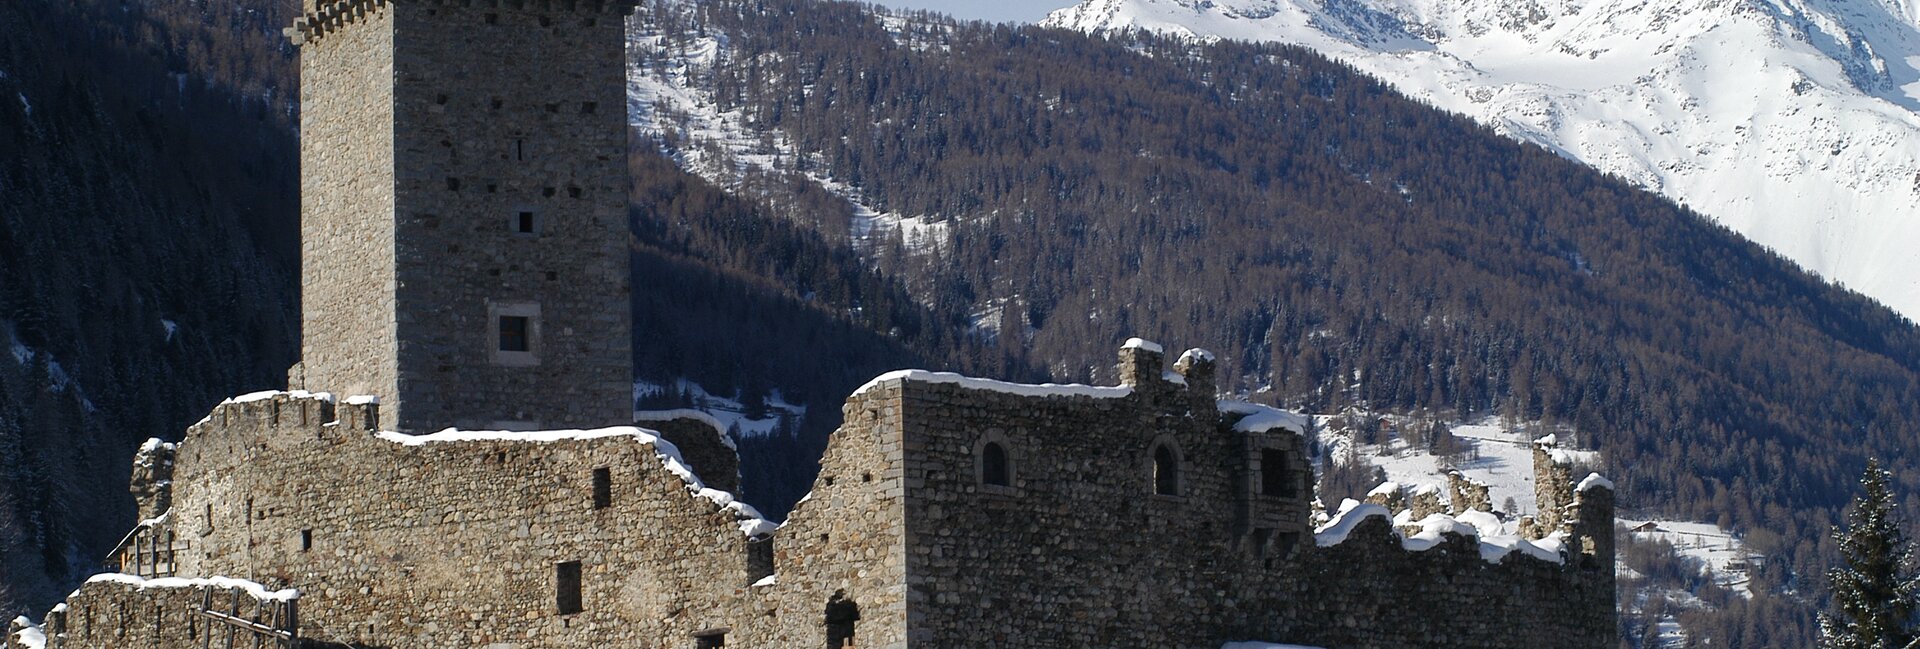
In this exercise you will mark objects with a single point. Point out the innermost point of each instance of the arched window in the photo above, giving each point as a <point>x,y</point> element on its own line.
<point>995,469</point>
<point>1166,471</point>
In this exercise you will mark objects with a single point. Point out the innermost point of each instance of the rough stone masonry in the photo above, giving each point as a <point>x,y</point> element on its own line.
<point>465,267</point>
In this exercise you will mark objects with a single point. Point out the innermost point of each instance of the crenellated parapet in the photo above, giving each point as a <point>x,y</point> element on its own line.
<point>321,17</point>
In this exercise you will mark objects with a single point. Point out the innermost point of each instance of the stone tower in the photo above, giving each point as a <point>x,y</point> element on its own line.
<point>463,210</point>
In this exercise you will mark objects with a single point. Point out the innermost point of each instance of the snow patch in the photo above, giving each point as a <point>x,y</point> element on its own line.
<point>1142,343</point>
<point>30,636</point>
<point>1257,418</point>
<point>255,590</point>
<point>1594,481</point>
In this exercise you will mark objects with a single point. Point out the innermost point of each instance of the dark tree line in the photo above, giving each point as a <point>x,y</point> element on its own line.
<point>146,254</point>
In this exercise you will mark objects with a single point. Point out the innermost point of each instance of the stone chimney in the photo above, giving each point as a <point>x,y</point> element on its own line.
<point>1140,363</point>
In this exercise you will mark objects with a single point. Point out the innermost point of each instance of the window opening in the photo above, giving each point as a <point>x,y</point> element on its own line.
<point>566,578</point>
<point>523,222</point>
<point>587,107</point>
<point>710,639</point>
<point>513,334</point>
<point>842,616</point>
<point>1166,471</point>
<point>1275,477</point>
<point>306,540</point>
<point>994,467</point>
<point>520,150</point>
<point>602,488</point>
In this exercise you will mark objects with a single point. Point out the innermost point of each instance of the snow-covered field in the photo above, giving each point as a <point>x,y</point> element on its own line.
<point>1791,121</point>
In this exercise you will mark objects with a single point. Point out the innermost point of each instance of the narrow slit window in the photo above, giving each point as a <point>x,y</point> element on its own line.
<point>514,336</point>
<point>602,488</point>
<point>566,579</point>
<point>994,466</point>
<point>526,222</point>
<point>520,150</point>
<point>306,540</point>
<point>1166,471</point>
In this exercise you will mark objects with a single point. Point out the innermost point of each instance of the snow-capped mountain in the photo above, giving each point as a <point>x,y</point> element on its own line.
<point>1794,122</point>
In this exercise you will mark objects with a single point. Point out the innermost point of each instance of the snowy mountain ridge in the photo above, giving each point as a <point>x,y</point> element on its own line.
<point>1793,122</point>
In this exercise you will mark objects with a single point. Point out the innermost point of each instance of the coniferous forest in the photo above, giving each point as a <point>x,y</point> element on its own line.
<point>1336,243</point>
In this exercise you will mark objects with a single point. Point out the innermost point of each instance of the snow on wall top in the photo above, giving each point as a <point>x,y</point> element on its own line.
<point>1261,419</point>
<point>153,444</point>
<point>1432,530</point>
<point>363,400</point>
<point>752,523</point>
<point>264,395</point>
<point>1142,343</point>
<point>646,416</point>
<point>30,635</point>
<point>1594,481</point>
<point>255,590</point>
<point>1196,354</point>
<point>1021,389</point>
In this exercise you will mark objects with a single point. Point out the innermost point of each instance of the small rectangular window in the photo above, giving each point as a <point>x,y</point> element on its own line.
<point>1275,477</point>
<point>514,336</point>
<point>306,540</point>
<point>526,222</point>
<point>566,579</point>
<point>602,488</point>
<point>710,640</point>
<point>520,150</point>
<point>587,107</point>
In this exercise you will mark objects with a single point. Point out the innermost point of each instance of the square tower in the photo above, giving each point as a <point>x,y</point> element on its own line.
<point>463,210</point>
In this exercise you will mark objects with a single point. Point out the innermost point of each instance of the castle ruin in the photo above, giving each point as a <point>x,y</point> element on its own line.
<point>465,269</point>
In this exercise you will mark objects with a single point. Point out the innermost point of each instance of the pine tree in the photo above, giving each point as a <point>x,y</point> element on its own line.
<point>1875,590</point>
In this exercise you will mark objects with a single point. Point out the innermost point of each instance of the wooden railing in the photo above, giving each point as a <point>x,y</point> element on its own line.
<point>147,551</point>
<point>272,622</point>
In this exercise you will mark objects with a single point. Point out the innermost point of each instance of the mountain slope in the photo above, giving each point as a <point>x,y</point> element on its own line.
<point>1792,121</point>
<point>1335,243</point>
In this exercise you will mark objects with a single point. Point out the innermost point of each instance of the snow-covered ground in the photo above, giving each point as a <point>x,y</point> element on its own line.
<point>1791,121</point>
<point>1720,553</point>
<point>1491,454</point>
<point>727,410</point>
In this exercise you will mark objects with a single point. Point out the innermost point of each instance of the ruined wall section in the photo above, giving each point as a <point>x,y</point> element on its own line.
<point>456,540</point>
<point>1079,549</point>
<point>119,611</point>
<point>504,109</point>
<point>849,533</point>
<point>1370,592</point>
<point>349,337</point>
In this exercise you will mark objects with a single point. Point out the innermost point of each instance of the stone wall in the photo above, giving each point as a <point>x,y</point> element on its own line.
<point>1080,550</point>
<point>471,539</point>
<point>429,128</point>
<point>349,338</point>
<point>124,612</point>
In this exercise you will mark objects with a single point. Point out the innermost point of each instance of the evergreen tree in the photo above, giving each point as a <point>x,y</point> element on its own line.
<point>1876,589</point>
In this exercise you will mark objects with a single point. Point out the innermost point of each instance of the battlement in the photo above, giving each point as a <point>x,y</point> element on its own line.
<point>321,17</point>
